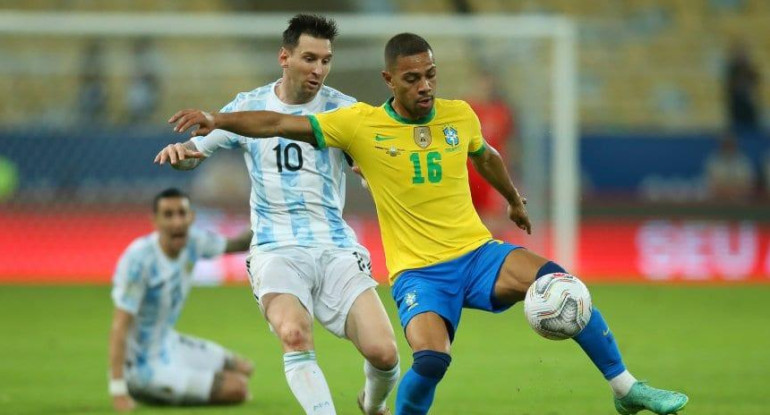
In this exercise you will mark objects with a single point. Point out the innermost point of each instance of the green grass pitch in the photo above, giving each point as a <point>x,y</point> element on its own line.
<point>712,342</point>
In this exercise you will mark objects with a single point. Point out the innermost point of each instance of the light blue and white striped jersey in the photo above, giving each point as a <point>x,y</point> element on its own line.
<point>153,287</point>
<point>297,191</point>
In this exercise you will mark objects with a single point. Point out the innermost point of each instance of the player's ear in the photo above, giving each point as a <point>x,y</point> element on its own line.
<point>283,57</point>
<point>388,79</point>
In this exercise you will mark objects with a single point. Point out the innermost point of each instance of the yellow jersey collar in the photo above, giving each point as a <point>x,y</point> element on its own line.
<point>388,105</point>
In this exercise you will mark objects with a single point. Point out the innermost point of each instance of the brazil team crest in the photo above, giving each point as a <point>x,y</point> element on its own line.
<point>422,136</point>
<point>450,134</point>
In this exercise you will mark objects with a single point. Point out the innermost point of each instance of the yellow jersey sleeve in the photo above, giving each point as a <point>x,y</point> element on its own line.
<point>337,128</point>
<point>476,144</point>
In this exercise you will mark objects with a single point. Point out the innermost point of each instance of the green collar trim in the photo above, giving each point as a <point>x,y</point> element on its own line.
<point>388,105</point>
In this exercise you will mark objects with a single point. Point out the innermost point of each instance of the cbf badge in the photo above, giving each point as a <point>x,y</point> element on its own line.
<point>422,136</point>
<point>450,134</point>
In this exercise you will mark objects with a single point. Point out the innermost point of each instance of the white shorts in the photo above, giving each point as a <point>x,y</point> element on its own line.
<point>182,375</point>
<point>325,280</point>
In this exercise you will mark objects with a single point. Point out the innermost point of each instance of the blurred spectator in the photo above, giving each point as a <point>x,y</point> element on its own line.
<point>729,173</point>
<point>742,89</point>
<point>92,98</point>
<point>497,127</point>
<point>143,90</point>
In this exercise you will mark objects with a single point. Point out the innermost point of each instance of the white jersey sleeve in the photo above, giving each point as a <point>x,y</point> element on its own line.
<point>219,139</point>
<point>207,244</point>
<point>129,281</point>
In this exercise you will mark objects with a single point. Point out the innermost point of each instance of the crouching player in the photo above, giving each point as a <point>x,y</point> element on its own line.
<point>149,360</point>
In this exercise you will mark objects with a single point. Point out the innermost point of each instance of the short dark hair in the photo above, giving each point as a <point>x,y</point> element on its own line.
<point>404,44</point>
<point>171,192</point>
<point>308,24</point>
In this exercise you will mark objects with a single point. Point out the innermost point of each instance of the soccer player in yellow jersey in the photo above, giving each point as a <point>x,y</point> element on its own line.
<point>413,151</point>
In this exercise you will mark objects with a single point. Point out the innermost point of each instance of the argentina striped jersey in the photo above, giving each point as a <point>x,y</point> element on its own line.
<point>297,191</point>
<point>154,287</point>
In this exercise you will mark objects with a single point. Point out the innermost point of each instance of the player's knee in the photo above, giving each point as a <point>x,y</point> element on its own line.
<point>431,364</point>
<point>230,388</point>
<point>240,391</point>
<point>549,267</point>
<point>235,363</point>
<point>295,336</point>
<point>383,355</point>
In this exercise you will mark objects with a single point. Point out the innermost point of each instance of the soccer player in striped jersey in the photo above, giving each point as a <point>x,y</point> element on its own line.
<point>149,360</point>
<point>413,151</point>
<point>305,260</point>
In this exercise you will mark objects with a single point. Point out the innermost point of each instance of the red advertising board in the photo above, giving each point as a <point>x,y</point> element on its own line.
<point>78,247</point>
<point>675,250</point>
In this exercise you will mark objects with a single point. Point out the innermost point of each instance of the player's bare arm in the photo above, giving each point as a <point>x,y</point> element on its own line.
<point>182,156</point>
<point>492,168</point>
<point>121,400</point>
<point>256,124</point>
<point>240,243</point>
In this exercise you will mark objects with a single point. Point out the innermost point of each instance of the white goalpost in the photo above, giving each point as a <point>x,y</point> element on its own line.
<point>543,47</point>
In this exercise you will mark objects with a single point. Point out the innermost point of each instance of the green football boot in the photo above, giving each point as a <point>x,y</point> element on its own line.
<point>642,396</point>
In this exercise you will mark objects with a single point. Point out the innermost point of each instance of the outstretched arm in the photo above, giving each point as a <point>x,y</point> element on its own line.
<point>257,124</point>
<point>182,156</point>
<point>491,167</point>
<point>240,243</point>
<point>121,400</point>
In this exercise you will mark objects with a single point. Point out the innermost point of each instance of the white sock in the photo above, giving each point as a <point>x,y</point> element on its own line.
<point>379,384</point>
<point>621,384</point>
<point>307,382</point>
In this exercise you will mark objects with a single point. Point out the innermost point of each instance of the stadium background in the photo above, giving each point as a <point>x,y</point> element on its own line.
<point>83,116</point>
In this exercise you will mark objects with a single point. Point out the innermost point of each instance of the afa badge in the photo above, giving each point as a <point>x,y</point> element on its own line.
<point>450,134</point>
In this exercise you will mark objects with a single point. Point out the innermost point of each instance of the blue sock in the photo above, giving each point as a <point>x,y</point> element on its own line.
<point>598,343</point>
<point>596,339</point>
<point>418,386</point>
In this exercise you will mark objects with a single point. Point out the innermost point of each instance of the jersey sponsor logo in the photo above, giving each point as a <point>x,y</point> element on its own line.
<point>380,137</point>
<point>422,136</point>
<point>450,135</point>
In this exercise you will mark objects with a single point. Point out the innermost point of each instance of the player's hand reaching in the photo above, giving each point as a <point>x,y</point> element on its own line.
<point>517,212</point>
<point>357,170</point>
<point>179,155</point>
<point>186,119</point>
<point>123,403</point>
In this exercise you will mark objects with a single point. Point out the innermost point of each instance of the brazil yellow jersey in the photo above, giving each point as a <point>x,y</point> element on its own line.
<point>418,176</point>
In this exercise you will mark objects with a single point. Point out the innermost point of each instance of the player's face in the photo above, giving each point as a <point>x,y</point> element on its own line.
<point>172,220</point>
<point>413,82</point>
<point>308,64</point>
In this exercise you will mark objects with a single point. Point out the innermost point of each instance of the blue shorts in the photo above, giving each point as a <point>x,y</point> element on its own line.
<point>448,287</point>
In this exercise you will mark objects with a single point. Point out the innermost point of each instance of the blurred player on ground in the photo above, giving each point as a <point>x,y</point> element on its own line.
<point>413,150</point>
<point>305,260</point>
<point>149,361</point>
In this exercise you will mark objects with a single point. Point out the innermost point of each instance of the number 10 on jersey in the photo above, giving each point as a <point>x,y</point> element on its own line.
<point>433,164</point>
<point>290,163</point>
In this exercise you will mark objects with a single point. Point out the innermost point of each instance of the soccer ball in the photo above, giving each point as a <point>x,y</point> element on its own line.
<point>557,306</point>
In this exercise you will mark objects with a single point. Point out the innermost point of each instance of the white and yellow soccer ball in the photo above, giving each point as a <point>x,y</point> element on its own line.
<point>558,306</point>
